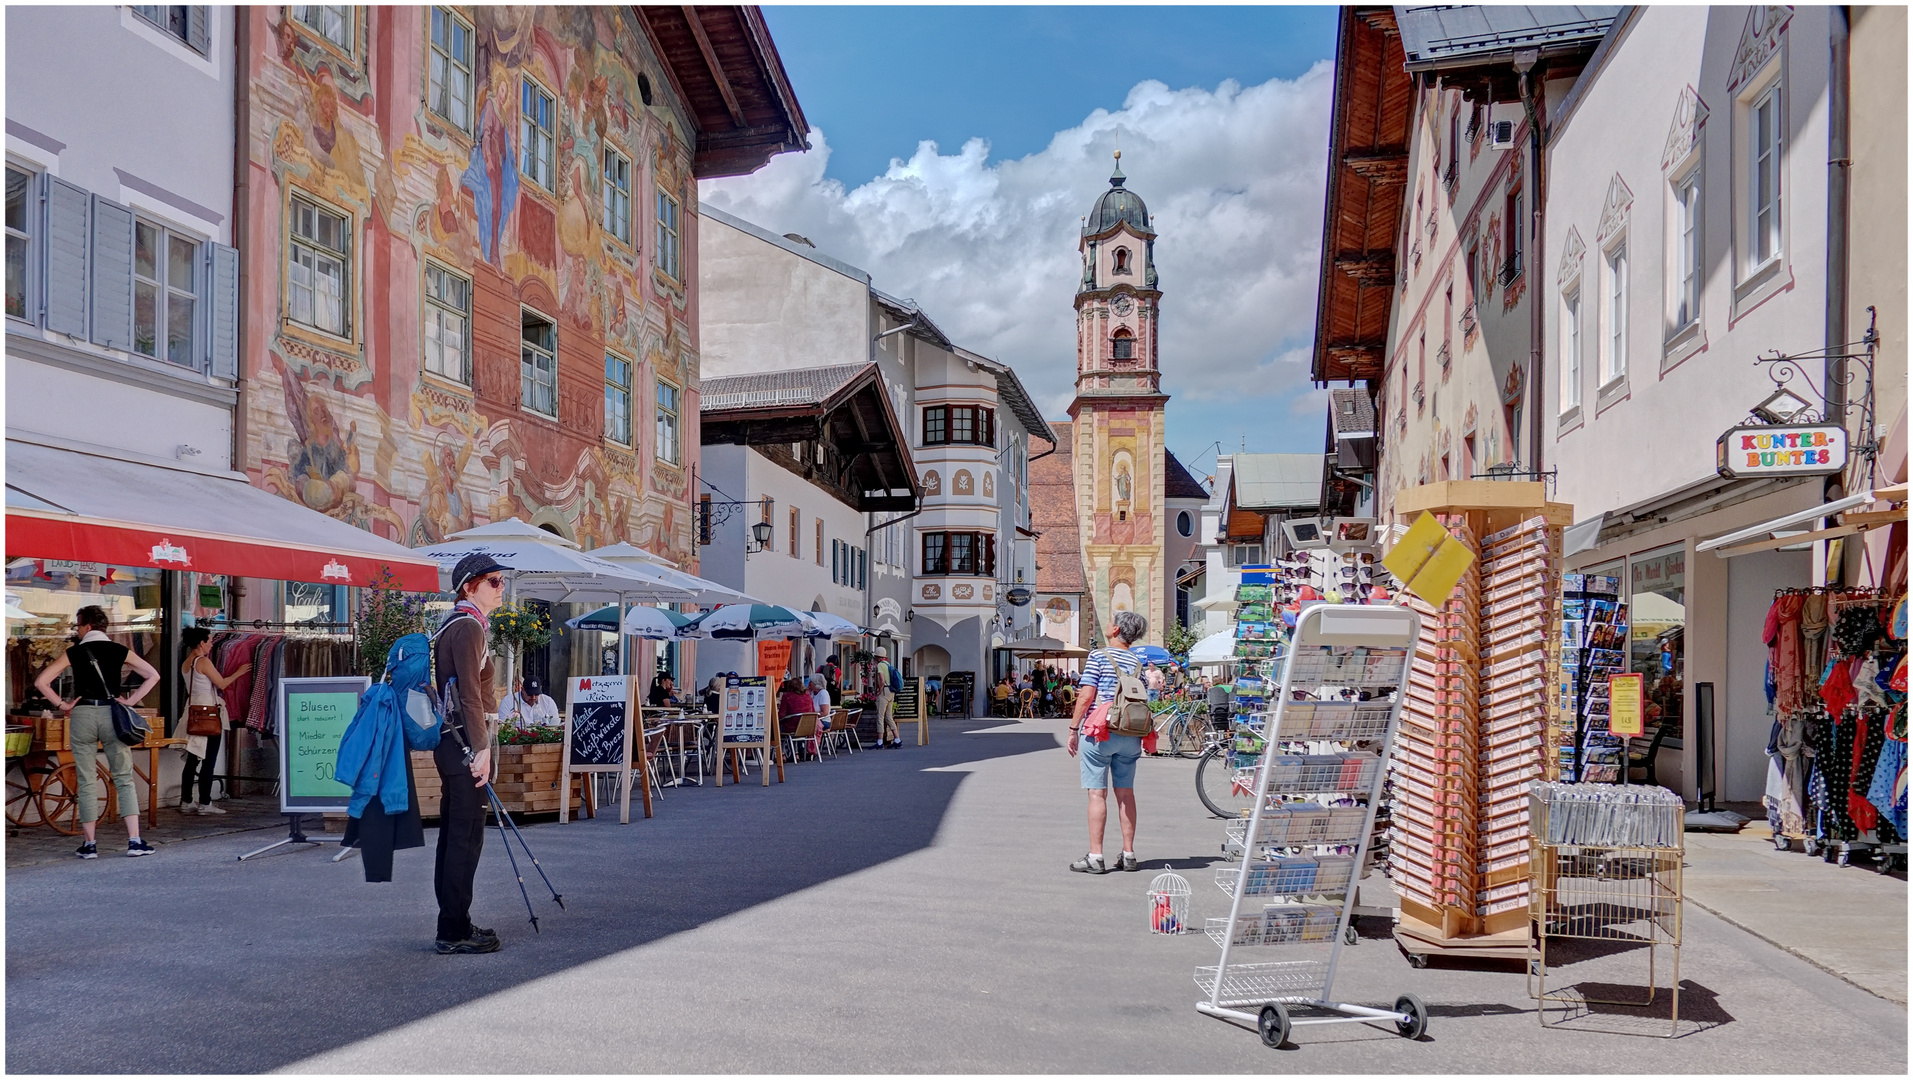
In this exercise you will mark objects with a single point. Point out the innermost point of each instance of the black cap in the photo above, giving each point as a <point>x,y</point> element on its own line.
<point>534,688</point>
<point>477,564</point>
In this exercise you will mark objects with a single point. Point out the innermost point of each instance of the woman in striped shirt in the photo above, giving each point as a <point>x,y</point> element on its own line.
<point>1108,761</point>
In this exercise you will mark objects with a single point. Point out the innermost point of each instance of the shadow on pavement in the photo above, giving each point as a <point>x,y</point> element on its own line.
<point>210,961</point>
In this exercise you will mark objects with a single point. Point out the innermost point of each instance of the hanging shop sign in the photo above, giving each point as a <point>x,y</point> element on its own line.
<point>1781,450</point>
<point>1019,596</point>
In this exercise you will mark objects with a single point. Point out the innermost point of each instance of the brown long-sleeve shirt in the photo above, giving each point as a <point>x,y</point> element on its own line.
<point>461,655</point>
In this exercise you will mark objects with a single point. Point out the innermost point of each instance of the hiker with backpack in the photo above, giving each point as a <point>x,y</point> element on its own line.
<point>889,685</point>
<point>1109,730</point>
<point>461,657</point>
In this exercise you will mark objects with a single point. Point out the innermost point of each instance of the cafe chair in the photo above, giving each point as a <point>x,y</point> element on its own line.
<point>841,730</point>
<point>1643,761</point>
<point>1029,705</point>
<point>804,728</point>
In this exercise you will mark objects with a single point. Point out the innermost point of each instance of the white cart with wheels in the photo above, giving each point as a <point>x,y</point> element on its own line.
<point>1305,838</point>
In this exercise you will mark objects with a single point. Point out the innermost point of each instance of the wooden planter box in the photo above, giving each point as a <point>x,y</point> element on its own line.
<point>527,779</point>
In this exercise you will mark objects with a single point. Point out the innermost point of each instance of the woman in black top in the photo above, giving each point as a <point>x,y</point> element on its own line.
<point>97,661</point>
<point>662,687</point>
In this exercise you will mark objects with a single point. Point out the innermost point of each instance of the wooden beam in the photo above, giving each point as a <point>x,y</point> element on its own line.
<point>1872,517</point>
<point>1788,541</point>
<point>710,60</point>
<point>1380,165</point>
<point>1368,267</point>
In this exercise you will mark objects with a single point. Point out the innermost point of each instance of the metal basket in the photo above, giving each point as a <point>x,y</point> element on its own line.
<point>1279,924</point>
<point>1308,774</point>
<point>1258,984</point>
<point>1295,824</point>
<point>1291,875</point>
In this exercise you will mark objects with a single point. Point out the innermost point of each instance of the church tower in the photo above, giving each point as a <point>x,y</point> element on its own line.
<point>1117,416</point>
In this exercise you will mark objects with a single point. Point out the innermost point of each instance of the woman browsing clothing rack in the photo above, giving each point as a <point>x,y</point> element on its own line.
<point>203,682</point>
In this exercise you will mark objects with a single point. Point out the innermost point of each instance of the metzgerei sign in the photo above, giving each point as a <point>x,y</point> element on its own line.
<point>1790,450</point>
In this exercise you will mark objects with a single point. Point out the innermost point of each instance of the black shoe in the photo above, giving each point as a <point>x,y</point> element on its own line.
<point>480,933</point>
<point>473,944</point>
<point>1129,863</point>
<point>136,847</point>
<point>88,850</point>
<point>1089,864</point>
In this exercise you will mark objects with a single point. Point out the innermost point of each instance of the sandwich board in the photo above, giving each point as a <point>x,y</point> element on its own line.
<point>600,714</point>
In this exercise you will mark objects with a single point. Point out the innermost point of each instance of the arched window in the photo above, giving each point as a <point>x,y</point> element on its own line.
<point>1122,261</point>
<point>1122,346</point>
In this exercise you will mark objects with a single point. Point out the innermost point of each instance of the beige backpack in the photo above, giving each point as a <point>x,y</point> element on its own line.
<point>1129,713</point>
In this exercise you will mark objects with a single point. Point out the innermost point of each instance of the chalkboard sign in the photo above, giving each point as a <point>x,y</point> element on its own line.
<point>959,689</point>
<point>311,716</point>
<point>908,704</point>
<point>595,722</point>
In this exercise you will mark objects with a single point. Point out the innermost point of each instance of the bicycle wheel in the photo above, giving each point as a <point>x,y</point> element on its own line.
<point>60,798</point>
<point>1195,730</point>
<point>1215,785</point>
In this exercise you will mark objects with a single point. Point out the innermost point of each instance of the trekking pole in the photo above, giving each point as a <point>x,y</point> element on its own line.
<point>522,891</point>
<point>505,819</point>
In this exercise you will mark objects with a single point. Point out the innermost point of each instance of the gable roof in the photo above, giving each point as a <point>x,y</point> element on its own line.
<point>1441,36</point>
<point>725,68</point>
<point>1177,483</point>
<point>1351,412</point>
<point>844,408</point>
<point>770,389</point>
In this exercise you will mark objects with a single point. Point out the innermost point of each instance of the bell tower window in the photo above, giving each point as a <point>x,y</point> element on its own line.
<point>1122,261</point>
<point>1122,346</point>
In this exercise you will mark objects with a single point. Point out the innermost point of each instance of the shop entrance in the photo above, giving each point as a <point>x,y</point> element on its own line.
<point>1746,722</point>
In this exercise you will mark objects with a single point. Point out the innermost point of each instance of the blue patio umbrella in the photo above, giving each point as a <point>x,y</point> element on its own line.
<point>1154,654</point>
<point>747,622</point>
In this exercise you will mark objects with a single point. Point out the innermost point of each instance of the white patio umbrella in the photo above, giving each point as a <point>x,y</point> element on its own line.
<point>825,625</point>
<point>748,622</point>
<point>638,561</point>
<point>1214,649</point>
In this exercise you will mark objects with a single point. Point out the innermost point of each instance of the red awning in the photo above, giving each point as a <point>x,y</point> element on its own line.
<point>70,504</point>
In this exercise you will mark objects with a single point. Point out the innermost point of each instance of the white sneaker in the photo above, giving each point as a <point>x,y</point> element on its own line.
<point>210,808</point>
<point>188,808</point>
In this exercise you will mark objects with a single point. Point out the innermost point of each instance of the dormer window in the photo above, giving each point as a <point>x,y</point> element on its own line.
<point>1122,347</point>
<point>1122,261</point>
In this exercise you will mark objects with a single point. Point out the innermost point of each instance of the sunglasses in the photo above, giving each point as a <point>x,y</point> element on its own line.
<point>496,581</point>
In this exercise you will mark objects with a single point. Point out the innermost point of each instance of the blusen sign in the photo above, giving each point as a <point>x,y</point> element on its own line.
<point>1790,450</point>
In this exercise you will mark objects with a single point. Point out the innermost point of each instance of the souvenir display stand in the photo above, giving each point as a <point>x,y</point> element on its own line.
<point>1307,833</point>
<point>1480,720</point>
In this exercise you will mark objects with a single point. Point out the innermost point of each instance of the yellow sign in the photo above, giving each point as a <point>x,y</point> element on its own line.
<point>1624,705</point>
<point>1428,561</point>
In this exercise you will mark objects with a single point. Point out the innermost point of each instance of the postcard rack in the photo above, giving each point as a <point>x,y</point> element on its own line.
<point>1309,828</point>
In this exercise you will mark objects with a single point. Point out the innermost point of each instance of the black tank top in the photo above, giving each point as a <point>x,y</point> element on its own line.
<point>110,656</point>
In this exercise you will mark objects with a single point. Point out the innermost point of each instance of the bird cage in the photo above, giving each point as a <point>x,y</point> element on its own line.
<point>1169,904</point>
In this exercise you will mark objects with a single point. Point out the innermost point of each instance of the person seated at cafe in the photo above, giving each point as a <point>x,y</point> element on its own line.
<point>714,692</point>
<point>791,701</point>
<point>833,674</point>
<point>662,688</point>
<point>820,695</point>
<point>530,706</point>
<point>1002,696</point>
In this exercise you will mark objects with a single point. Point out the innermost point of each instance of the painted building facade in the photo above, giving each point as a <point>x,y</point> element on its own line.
<point>470,258</point>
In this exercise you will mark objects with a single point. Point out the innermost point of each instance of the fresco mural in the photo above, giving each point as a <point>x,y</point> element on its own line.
<point>340,414</point>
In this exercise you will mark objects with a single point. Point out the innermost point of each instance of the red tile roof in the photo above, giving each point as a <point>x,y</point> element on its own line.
<point>1059,555</point>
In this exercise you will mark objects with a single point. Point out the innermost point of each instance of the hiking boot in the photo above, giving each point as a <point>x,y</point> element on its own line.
<point>1089,864</point>
<point>480,933</point>
<point>88,850</point>
<point>137,847</point>
<point>472,944</point>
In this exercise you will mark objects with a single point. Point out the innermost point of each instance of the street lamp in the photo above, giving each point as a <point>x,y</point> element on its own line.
<point>761,533</point>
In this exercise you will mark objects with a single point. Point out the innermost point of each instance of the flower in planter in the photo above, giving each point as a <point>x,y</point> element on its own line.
<point>531,735</point>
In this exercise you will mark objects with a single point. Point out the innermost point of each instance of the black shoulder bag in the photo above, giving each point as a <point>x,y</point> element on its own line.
<point>128,725</point>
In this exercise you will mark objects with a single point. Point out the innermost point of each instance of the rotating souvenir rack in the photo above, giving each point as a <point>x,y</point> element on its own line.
<point>1480,721</point>
<point>1307,835</point>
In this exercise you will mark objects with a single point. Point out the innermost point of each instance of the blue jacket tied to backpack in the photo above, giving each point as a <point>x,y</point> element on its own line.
<point>396,714</point>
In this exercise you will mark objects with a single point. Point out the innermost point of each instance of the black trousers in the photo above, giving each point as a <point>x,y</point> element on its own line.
<point>461,839</point>
<point>204,769</point>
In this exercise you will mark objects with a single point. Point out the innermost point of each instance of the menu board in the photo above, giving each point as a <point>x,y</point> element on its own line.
<point>745,709</point>
<point>311,716</point>
<point>596,722</point>
<point>908,702</point>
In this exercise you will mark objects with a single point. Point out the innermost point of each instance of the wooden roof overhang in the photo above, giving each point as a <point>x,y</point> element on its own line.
<point>1373,111</point>
<point>865,458</point>
<point>726,70</point>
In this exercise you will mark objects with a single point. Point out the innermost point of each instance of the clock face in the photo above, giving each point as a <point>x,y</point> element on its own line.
<point>1122,305</point>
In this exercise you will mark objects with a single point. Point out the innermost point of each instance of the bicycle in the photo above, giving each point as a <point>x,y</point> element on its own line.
<point>1189,734</point>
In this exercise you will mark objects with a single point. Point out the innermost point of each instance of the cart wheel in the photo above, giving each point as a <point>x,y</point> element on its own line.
<point>1417,960</point>
<point>1534,966</point>
<point>1417,1021</point>
<point>1844,858</point>
<point>1273,1023</point>
<point>1781,843</point>
<point>1811,846</point>
<point>1350,935</point>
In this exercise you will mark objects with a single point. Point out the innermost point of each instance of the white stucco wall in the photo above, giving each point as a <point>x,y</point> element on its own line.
<point>764,307</point>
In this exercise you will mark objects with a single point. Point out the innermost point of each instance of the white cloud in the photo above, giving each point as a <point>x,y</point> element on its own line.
<point>1233,177</point>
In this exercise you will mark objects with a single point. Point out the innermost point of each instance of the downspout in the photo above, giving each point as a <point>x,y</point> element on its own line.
<point>1839,165</point>
<point>906,552</point>
<point>1524,62</point>
<point>241,211</point>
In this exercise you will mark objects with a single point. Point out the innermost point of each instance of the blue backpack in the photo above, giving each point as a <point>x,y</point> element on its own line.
<point>408,671</point>
<point>896,679</point>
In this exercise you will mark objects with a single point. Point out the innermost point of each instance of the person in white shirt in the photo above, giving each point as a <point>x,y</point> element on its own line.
<point>530,706</point>
<point>820,694</point>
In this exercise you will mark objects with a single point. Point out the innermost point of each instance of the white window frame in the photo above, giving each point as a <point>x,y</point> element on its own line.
<point>1768,160</point>
<point>440,310</point>
<point>1686,262</point>
<point>27,236</point>
<point>1614,328</point>
<point>529,372</point>
<point>306,14</point>
<point>617,197</point>
<point>537,142</point>
<point>166,292</point>
<point>159,16</point>
<point>669,441</point>
<point>305,251</point>
<point>620,434</point>
<point>442,94</point>
<point>1572,321</point>
<point>669,255</point>
<point>1238,554</point>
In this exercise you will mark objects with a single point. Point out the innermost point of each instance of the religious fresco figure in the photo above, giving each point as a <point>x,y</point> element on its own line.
<point>492,177</point>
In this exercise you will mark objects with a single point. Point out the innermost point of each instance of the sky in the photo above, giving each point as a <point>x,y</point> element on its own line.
<point>955,150</point>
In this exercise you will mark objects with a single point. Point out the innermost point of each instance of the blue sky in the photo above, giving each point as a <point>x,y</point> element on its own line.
<point>954,149</point>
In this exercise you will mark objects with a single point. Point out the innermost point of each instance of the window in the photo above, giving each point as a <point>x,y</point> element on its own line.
<point>617,399</point>
<point>820,541</point>
<point>667,256</point>
<point>1185,524</point>
<point>448,320</point>
<point>1122,346</point>
<point>189,23</point>
<point>1687,250</point>
<point>1614,355</point>
<point>796,532</point>
<point>448,87</point>
<point>1245,555</point>
<point>317,268</point>
<point>617,195</point>
<point>667,423</point>
<point>19,239</point>
<point>1122,261</point>
<point>332,22</point>
<point>970,425</point>
<point>1763,196</point>
<point>965,553</point>
<point>163,293</point>
<point>535,128</point>
<point>1570,350</point>
<point>1447,319</point>
<point>538,365</point>
<point>1511,269</point>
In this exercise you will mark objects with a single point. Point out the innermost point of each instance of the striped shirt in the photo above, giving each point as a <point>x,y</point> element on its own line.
<point>1102,668</point>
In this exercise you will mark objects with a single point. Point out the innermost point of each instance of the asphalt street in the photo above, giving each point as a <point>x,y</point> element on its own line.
<point>899,911</point>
